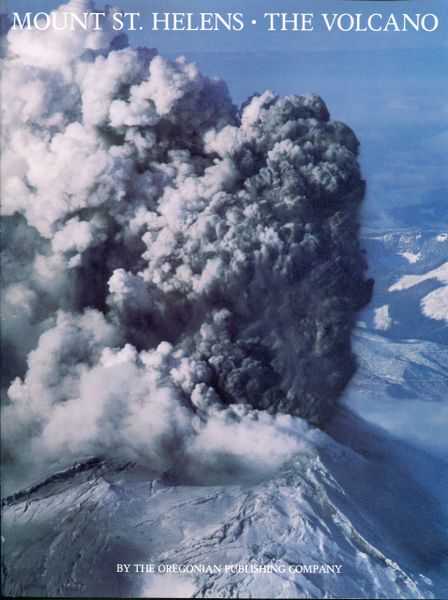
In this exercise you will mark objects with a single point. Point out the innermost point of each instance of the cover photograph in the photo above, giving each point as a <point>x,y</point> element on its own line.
<point>224,299</point>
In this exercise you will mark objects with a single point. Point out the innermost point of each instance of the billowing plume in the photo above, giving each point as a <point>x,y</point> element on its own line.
<point>177,272</point>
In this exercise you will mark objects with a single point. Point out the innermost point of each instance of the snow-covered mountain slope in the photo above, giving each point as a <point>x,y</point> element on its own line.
<point>301,516</point>
<point>435,304</point>
<point>402,387</point>
<point>411,287</point>
<point>408,281</point>
<point>365,499</point>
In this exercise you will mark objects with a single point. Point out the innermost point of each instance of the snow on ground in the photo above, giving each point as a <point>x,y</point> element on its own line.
<point>407,281</point>
<point>435,304</point>
<point>382,319</point>
<point>402,387</point>
<point>410,256</point>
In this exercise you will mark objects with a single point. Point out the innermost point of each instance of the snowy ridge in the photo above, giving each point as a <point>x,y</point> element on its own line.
<point>407,281</point>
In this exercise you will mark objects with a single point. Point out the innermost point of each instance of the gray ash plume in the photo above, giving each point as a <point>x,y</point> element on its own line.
<point>180,278</point>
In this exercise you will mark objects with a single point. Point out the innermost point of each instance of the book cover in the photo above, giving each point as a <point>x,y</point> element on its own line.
<point>224,298</point>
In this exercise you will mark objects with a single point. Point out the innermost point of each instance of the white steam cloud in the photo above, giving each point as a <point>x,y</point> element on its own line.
<point>180,277</point>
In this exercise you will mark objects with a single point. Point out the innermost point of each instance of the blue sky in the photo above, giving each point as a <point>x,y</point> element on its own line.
<point>392,88</point>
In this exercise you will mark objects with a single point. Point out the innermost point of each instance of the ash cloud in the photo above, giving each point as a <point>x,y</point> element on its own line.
<point>180,277</point>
